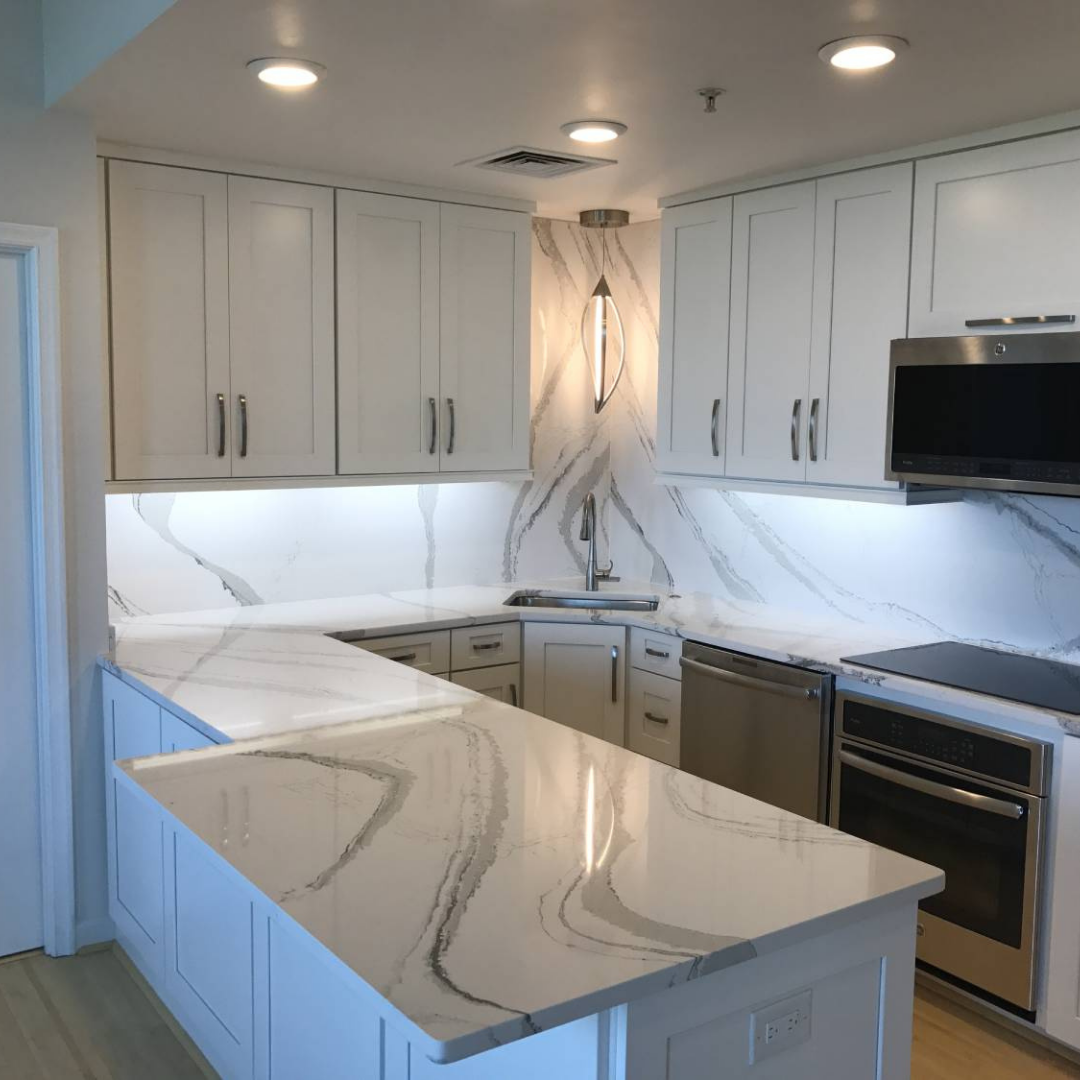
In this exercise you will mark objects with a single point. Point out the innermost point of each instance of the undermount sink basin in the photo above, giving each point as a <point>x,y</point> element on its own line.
<point>601,601</point>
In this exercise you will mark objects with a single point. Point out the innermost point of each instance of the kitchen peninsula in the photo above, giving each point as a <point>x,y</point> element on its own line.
<point>423,882</point>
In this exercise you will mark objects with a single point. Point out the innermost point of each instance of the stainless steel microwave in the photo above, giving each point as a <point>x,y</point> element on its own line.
<point>986,412</point>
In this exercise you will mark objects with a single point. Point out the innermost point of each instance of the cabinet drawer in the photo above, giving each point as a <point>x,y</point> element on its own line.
<point>659,653</point>
<point>485,646</point>
<point>502,682</point>
<point>653,716</point>
<point>425,652</point>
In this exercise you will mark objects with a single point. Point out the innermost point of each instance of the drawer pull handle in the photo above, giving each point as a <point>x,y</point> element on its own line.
<point>221,425</point>
<point>243,425</point>
<point>487,646</point>
<point>614,672</point>
<point>403,658</point>
<point>1021,320</point>
<point>660,654</point>
<point>714,428</point>
<point>795,410</point>
<point>656,719</point>
<point>433,445</point>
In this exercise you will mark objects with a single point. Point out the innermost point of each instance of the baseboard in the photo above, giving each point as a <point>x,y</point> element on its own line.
<point>94,932</point>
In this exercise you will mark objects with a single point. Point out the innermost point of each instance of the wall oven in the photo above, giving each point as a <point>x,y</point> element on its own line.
<point>969,800</point>
<point>986,412</point>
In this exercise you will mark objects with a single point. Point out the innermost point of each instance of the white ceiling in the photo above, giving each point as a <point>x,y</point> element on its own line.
<point>415,86</point>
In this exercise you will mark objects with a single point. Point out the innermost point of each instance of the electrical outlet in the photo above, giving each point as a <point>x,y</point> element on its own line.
<point>780,1026</point>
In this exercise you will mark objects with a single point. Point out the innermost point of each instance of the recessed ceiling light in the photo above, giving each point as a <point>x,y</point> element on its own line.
<point>285,72</point>
<point>862,53</point>
<point>593,131</point>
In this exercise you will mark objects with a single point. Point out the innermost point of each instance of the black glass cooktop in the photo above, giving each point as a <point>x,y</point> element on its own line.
<point>1047,684</point>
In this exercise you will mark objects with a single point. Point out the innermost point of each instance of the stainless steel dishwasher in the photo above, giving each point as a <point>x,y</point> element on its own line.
<point>758,727</point>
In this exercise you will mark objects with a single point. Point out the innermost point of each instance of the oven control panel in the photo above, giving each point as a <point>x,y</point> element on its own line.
<point>956,747</point>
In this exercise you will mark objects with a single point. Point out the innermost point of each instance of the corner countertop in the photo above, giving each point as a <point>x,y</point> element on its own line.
<point>492,874</point>
<point>247,672</point>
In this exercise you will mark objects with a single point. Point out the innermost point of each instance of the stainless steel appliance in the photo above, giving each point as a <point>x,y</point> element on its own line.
<point>964,798</point>
<point>986,412</point>
<point>757,727</point>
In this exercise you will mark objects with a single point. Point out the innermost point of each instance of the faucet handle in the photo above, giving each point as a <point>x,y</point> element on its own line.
<point>604,572</point>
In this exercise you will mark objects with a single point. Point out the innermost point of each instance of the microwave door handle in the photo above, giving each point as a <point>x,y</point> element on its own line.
<point>723,675</point>
<point>1001,807</point>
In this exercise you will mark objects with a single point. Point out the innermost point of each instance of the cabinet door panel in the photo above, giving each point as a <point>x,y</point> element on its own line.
<point>653,716</point>
<point>169,266</point>
<point>388,333</point>
<point>177,735</point>
<point>485,260</point>
<point>772,270</point>
<point>996,233</point>
<point>281,272</point>
<point>503,682</point>
<point>860,305</point>
<point>576,675</point>
<point>695,284</point>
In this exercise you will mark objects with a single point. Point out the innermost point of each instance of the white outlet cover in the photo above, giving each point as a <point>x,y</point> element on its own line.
<point>780,1025</point>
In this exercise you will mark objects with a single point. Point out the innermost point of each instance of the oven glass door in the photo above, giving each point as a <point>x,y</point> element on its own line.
<point>922,813</point>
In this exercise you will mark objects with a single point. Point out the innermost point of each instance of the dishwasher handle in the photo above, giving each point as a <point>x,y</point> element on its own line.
<point>723,675</point>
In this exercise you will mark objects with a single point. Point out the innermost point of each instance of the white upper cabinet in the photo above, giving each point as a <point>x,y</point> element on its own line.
<point>996,235</point>
<point>860,305</point>
<point>695,285</point>
<point>281,273</point>
<point>485,259</point>
<point>772,273</point>
<point>169,256</point>
<point>388,333</point>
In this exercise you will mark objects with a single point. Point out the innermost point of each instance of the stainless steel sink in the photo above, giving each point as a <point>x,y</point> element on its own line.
<point>596,601</point>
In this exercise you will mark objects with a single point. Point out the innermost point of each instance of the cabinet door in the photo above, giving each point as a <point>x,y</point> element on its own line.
<point>169,267</point>
<point>576,674</point>
<point>388,334</point>
<point>996,234</point>
<point>503,682</point>
<point>860,305</point>
<point>281,273</point>
<point>484,262</point>
<point>772,274</point>
<point>695,286</point>
<point>177,735</point>
<point>653,715</point>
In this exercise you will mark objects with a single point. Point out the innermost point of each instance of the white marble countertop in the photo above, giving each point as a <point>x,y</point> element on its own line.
<point>490,873</point>
<point>253,671</point>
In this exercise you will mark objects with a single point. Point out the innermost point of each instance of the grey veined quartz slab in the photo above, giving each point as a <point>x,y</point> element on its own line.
<point>492,874</point>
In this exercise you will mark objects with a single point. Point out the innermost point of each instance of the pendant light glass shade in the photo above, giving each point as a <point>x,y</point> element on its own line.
<point>604,343</point>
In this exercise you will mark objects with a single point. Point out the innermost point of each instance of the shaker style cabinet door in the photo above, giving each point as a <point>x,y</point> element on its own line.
<point>485,261</point>
<point>281,273</point>
<point>772,272</point>
<point>169,268</point>
<point>695,284</point>
<point>996,235</point>
<point>860,305</point>
<point>388,334</point>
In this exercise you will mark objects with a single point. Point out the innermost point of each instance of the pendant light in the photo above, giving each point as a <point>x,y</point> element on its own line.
<point>602,335</point>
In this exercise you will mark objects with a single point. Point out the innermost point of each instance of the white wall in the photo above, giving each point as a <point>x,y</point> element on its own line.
<point>47,177</point>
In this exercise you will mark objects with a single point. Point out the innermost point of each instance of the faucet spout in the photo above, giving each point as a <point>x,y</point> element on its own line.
<point>588,532</point>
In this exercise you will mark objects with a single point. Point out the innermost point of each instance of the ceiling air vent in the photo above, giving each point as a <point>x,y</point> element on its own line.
<point>538,164</point>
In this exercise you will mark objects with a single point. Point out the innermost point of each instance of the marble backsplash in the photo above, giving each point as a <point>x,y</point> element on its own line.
<point>997,569</point>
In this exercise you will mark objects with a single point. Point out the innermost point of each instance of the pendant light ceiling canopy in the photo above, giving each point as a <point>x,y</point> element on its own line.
<point>602,335</point>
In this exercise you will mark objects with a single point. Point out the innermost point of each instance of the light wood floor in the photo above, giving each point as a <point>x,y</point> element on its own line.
<point>86,1018</point>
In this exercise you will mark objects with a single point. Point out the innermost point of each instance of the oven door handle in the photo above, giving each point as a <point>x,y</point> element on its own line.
<point>1001,807</point>
<point>784,689</point>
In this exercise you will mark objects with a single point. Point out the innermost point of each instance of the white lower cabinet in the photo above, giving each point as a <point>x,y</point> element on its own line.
<point>652,716</point>
<point>501,682</point>
<point>428,652</point>
<point>576,674</point>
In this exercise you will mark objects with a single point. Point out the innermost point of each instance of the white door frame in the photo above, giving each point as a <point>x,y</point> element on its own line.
<point>38,249</point>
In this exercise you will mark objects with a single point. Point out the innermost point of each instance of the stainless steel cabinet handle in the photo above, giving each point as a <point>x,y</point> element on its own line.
<point>513,694</point>
<point>1001,807</point>
<point>453,426</point>
<point>795,410</point>
<point>657,652</point>
<point>749,680</point>
<point>812,433</point>
<point>402,658</point>
<point>243,425</point>
<point>433,444</point>
<point>487,646</point>
<point>1022,320</point>
<point>221,425</point>
<point>614,672</point>
<point>656,719</point>
<point>714,431</point>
